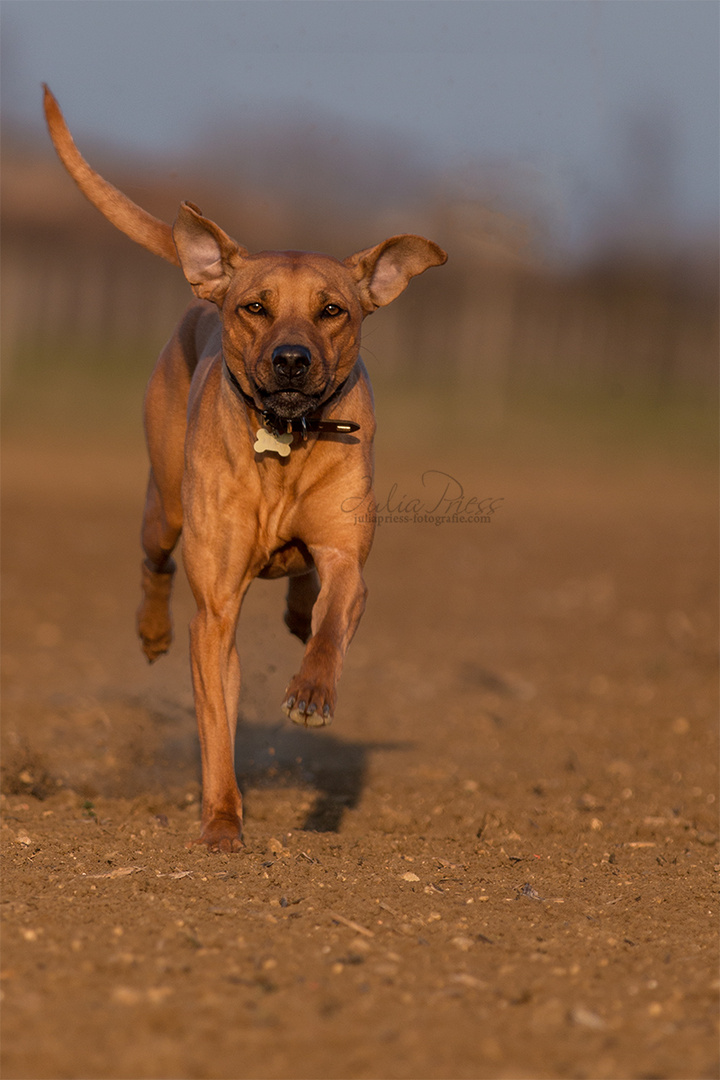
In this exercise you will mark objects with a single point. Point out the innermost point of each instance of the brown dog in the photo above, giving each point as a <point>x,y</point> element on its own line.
<point>259,422</point>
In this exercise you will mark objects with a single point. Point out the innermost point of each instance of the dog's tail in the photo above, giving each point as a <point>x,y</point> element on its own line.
<point>120,211</point>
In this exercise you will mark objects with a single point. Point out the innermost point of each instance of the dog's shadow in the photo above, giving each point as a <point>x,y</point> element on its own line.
<point>133,749</point>
<point>288,756</point>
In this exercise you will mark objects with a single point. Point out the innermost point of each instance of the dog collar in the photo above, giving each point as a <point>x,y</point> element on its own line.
<point>279,426</point>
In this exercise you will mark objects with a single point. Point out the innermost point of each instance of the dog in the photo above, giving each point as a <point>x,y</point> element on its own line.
<point>259,424</point>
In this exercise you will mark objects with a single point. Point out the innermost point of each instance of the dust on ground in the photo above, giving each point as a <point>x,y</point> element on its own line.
<point>497,863</point>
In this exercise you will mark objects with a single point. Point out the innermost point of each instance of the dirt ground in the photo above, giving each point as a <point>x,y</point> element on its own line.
<point>497,863</point>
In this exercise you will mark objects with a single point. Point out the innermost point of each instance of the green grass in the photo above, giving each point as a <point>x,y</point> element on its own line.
<point>75,389</point>
<point>574,425</point>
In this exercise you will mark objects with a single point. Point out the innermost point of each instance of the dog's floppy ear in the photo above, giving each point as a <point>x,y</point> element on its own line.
<point>382,272</point>
<point>207,255</point>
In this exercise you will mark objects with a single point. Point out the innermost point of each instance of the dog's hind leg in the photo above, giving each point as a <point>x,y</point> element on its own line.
<point>302,593</point>
<point>160,534</point>
<point>165,410</point>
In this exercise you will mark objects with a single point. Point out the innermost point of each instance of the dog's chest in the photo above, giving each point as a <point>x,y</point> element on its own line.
<point>277,514</point>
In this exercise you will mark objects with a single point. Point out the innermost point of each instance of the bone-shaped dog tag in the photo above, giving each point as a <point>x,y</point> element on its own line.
<point>266,440</point>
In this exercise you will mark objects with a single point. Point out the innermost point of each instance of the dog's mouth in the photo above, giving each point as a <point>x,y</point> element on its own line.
<point>289,404</point>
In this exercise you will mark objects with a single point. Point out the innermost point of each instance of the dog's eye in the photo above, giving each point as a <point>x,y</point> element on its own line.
<point>255,308</point>
<point>331,311</point>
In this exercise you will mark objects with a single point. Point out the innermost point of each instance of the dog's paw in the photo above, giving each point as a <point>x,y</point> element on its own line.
<point>155,647</point>
<point>221,834</point>
<point>154,624</point>
<point>310,706</point>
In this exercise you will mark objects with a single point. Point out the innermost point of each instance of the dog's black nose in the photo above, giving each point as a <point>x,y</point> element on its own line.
<point>290,363</point>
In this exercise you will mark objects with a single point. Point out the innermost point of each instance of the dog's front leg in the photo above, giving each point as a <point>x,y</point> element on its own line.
<point>216,684</point>
<point>219,587</point>
<point>311,695</point>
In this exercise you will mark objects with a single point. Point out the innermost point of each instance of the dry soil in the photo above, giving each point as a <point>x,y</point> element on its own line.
<point>497,863</point>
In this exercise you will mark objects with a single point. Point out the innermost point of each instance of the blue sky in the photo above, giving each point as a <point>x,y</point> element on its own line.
<point>561,92</point>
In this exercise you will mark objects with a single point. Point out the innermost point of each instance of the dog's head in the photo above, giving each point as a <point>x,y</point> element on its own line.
<point>291,320</point>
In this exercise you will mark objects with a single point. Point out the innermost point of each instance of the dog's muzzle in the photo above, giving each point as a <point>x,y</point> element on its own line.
<point>284,411</point>
<point>289,398</point>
